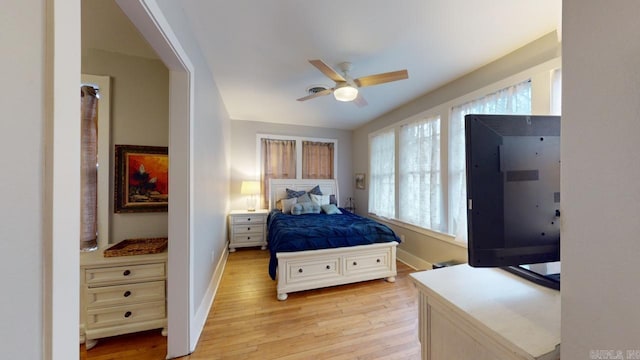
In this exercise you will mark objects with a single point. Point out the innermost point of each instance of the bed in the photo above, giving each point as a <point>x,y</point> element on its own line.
<point>308,254</point>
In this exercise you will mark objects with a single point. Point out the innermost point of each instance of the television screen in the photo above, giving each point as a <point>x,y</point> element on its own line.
<point>513,189</point>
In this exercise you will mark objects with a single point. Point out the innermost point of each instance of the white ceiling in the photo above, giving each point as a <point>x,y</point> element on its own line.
<point>258,50</point>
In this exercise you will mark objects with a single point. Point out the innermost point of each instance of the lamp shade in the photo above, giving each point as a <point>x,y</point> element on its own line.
<point>250,188</point>
<point>345,93</point>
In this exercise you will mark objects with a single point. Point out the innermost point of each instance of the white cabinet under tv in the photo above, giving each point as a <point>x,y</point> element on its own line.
<point>486,314</point>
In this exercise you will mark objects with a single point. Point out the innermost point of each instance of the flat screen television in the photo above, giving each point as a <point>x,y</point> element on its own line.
<point>513,194</point>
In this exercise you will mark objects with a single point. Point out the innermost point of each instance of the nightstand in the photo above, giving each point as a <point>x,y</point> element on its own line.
<point>247,228</point>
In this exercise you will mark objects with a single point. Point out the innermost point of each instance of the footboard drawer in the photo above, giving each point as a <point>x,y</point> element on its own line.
<point>313,269</point>
<point>317,269</point>
<point>367,262</point>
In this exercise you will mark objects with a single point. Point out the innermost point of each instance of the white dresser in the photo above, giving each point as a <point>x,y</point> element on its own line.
<point>486,314</point>
<point>247,228</point>
<point>121,295</point>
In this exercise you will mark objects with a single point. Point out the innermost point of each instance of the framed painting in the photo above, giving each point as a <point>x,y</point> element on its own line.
<point>141,179</point>
<point>360,181</point>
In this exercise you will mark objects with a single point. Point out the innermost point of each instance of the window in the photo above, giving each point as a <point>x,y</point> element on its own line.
<point>278,162</point>
<point>420,190</point>
<point>420,195</point>
<point>382,178</point>
<point>291,157</point>
<point>89,170</point>
<point>512,100</point>
<point>317,160</point>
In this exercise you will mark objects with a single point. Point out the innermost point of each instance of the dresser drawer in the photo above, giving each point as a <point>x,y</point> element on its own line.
<point>249,219</point>
<point>125,294</point>
<point>125,314</point>
<point>132,273</point>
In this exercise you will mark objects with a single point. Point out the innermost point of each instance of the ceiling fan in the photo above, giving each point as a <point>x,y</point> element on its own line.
<point>346,88</point>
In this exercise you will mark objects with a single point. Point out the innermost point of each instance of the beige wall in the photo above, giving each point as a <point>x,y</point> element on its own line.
<point>139,116</point>
<point>419,248</point>
<point>600,172</point>
<point>244,159</point>
<point>23,145</point>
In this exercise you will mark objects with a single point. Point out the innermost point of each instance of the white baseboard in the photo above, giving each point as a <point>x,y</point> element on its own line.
<point>202,313</point>
<point>412,260</point>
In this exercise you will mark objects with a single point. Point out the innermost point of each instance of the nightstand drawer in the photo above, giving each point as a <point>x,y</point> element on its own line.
<point>132,273</point>
<point>248,238</point>
<point>125,314</point>
<point>249,219</point>
<point>125,294</point>
<point>249,228</point>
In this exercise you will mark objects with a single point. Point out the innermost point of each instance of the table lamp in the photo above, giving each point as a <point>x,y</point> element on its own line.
<point>251,188</point>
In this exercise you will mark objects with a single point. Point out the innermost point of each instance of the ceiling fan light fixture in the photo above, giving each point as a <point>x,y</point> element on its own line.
<point>345,93</point>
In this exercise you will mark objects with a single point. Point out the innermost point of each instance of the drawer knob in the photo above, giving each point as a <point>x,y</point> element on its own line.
<point>127,314</point>
<point>355,263</point>
<point>248,237</point>
<point>127,293</point>
<point>126,273</point>
<point>328,267</point>
<point>378,261</point>
<point>300,270</point>
<point>248,219</point>
<point>248,229</point>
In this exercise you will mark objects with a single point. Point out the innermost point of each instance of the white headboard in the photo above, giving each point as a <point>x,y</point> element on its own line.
<point>278,188</point>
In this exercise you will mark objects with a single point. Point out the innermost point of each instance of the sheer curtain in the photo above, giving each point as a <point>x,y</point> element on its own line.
<point>317,160</point>
<point>382,177</point>
<point>420,190</point>
<point>512,100</point>
<point>88,170</point>
<point>278,162</point>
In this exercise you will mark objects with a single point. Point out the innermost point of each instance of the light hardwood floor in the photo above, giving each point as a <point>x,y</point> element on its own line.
<point>369,320</point>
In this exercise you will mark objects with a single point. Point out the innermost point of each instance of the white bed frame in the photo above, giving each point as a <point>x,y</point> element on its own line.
<point>313,269</point>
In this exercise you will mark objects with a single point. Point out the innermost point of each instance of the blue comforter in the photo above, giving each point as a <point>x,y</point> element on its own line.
<point>288,233</point>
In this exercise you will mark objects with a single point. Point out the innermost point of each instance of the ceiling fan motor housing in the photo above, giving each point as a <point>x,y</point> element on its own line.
<point>314,89</point>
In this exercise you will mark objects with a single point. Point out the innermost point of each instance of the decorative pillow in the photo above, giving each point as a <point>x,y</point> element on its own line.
<point>294,194</point>
<point>331,209</point>
<point>320,199</point>
<point>316,190</point>
<point>305,208</point>
<point>287,204</point>
<point>332,200</point>
<point>303,198</point>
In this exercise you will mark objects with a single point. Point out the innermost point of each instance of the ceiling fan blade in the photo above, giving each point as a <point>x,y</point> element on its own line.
<point>315,95</point>
<point>360,101</point>
<point>381,78</point>
<point>327,70</point>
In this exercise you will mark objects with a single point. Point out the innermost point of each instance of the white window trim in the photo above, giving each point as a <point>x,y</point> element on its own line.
<point>298,140</point>
<point>540,76</point>
<point>420,230</point>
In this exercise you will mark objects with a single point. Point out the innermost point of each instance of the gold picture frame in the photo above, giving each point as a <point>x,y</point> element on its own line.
<point>141,178</point>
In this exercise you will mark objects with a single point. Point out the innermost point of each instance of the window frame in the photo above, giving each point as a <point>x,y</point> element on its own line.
<point>298,140</point>
<point>541,89</point>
